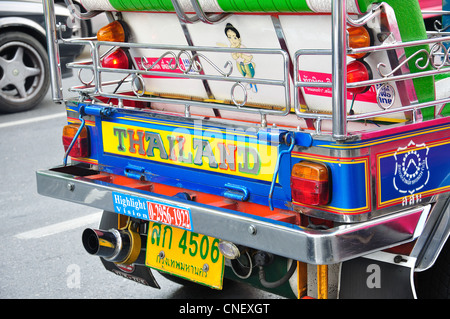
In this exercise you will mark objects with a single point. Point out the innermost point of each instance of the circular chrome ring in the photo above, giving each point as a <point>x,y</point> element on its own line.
<point>85,82</point>
<point>245,94</point>
<point>136,89</point>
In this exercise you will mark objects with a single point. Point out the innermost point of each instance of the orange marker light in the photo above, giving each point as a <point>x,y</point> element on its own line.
<point>81,145</point>
<point>359,37</point>
<point>310,183</point>
<point>113,32</point>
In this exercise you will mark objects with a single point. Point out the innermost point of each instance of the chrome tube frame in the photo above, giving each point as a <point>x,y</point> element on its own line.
<point>415,106</point>
<point>80,15</point>
<point>204,17</point>
<point>339,69</point>
<point>53,51</point>
<point>436,12</point>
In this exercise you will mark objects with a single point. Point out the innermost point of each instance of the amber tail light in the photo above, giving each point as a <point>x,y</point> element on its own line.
<point>310,183</point>
<point>359,37</point>
<point>80,147</point>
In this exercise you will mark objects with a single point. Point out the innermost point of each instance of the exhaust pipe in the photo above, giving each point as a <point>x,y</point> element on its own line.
<point>119,246</point>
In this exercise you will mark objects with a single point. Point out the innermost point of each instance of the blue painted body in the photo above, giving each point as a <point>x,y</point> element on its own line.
<point>355,181</point>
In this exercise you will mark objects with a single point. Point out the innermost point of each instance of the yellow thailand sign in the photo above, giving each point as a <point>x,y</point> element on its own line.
<point>217,152</point>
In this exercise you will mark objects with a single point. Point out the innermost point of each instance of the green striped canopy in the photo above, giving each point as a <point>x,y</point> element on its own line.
<point>355,6</point>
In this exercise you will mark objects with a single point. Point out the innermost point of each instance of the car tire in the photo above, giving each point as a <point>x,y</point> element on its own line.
<point>24,72</point>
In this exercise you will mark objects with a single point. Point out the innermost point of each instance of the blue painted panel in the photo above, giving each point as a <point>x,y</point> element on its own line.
<point>413,172</point>
<point>350,183</point>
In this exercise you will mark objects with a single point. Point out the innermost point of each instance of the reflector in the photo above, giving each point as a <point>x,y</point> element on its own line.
<point>229,250</point>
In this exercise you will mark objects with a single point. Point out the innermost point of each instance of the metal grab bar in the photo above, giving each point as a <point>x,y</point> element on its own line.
<point>53,51</point>
<point>339,69</point>
<point>182,15</point>
<point>200,15</point>
<point>78,14</point>
<point>211,19</point>
<point>436,12</point>
<point>375,11</point>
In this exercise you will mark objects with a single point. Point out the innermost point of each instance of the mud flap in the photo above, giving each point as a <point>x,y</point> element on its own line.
<point>378,276</point>
<point>138,273</point>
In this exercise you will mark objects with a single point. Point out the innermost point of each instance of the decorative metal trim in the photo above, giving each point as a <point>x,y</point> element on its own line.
<point>193,61</point>
<point>437,51</point>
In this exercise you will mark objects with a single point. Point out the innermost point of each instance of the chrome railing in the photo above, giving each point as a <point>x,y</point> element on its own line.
<point>437,52</point>
<point>338,53</point>
<point>195,71</point>
<point>53,51</point>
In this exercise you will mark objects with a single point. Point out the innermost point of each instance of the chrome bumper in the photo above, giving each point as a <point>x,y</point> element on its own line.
<point>307,245</point>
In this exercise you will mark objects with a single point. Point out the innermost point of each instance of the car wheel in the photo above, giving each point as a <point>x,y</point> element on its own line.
<point>24,78</point>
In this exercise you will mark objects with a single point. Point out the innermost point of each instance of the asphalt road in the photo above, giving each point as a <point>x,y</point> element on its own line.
<point>41,251</point>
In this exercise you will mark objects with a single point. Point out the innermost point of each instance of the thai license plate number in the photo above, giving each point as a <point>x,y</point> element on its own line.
<point>171,215</point>
<point>186,254</point>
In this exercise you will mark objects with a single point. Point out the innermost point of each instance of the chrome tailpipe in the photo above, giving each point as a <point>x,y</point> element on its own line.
<point>119,246</point>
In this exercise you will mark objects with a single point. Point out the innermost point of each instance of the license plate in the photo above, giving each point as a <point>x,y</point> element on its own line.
<point>186,254</point>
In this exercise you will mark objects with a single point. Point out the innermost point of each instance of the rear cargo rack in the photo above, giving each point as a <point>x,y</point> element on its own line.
<point>196,72</point>
<point>423,59</point>
<point>437,50</point>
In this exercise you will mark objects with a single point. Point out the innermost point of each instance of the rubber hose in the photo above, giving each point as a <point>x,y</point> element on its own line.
<point>279,282</point>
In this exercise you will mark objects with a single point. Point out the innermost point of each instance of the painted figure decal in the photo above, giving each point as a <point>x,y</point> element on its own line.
<point>244,61</point>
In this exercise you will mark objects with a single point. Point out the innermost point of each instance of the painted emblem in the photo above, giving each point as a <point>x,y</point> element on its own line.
<point>411,168</point>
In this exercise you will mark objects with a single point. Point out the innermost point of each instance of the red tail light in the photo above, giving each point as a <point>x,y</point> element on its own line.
<point>116,60</point>
<point>358,71</point>
<point>310,183</point>
<point>81,146</point>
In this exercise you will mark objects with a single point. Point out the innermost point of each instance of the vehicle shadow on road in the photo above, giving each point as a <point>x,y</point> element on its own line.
<point>230,290</point>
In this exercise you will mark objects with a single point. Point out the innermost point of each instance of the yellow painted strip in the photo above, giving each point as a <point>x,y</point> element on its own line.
<point>179,147</point>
